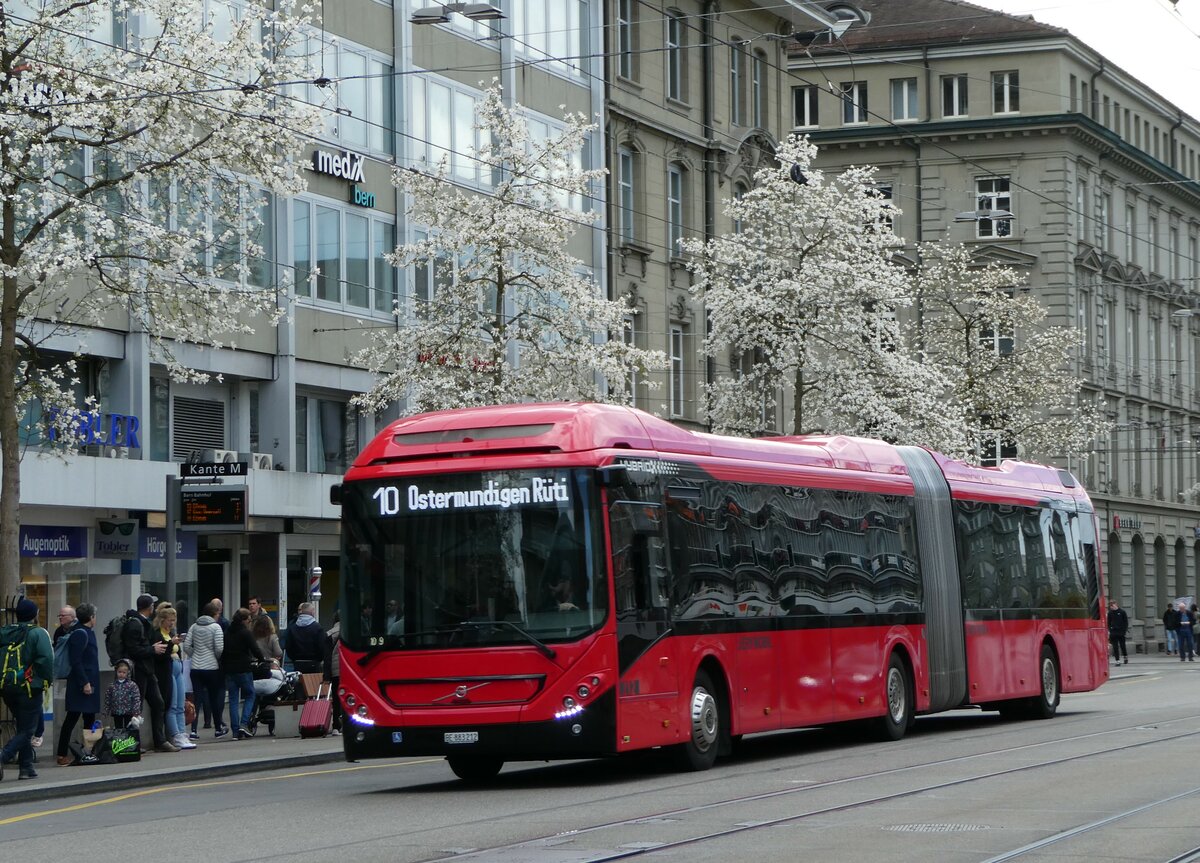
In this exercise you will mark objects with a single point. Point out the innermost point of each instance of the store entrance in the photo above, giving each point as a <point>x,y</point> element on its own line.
<point>210,576</point>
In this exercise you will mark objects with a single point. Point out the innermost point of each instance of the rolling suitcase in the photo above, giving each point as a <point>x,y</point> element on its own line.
<point>316,717</point>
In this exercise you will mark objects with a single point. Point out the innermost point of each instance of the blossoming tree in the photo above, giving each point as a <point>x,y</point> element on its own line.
<point>806,287</point>
<point>137,142</point>
<point>512,314</point>
<point>1009,370</point>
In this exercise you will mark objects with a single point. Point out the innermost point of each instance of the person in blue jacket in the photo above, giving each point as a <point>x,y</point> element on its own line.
<point>83,683</point>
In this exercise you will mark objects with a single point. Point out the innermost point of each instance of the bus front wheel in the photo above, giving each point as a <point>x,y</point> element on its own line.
<point>898,701</point>
<point>705,727</point>
<point>474,768</point>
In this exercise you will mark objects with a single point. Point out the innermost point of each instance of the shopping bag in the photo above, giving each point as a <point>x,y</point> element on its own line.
<point>125,746</point>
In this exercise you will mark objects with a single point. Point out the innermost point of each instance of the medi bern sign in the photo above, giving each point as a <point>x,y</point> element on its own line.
<point>346,166</point>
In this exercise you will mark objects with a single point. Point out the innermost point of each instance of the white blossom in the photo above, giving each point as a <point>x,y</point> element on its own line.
<point>807,287</point>
<point>514,316</point>
<point>1010,371</point>
<point>136,140</point>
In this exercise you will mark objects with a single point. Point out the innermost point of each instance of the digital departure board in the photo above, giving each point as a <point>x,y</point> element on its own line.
<point>212,507</point>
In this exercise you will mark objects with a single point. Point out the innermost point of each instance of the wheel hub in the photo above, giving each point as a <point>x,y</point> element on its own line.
<point>704,719</point>
<point>896,695</point>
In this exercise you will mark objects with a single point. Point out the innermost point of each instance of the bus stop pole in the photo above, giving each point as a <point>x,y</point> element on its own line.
<point>174,486</point>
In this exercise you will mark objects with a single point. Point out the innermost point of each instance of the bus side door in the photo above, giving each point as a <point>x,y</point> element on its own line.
<point>648,690</point>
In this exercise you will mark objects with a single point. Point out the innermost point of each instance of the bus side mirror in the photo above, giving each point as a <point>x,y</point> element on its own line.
<point>335,494</point>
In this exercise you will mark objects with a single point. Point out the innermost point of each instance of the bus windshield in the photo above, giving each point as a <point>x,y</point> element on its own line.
<point>448,560</point>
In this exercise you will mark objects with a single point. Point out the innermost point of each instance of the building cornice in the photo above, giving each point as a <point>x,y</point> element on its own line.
<point>1092,134</point>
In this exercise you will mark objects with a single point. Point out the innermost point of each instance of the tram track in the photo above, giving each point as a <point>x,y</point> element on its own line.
<point>543,848</point>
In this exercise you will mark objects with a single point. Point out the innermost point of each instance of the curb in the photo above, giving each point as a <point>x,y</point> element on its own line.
<point>36,791</point>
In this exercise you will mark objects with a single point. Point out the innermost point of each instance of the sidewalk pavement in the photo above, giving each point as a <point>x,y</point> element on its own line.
<point>211,758</point>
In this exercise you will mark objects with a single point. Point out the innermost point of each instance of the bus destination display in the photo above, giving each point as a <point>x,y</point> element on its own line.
<point>213,507</point>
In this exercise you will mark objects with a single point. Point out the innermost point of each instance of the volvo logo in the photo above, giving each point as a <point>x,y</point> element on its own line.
<point>460,692</point>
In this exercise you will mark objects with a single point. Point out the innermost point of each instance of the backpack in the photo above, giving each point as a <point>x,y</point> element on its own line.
<point>15,670</point>
<point>62,656</point>
<point>114,639</point>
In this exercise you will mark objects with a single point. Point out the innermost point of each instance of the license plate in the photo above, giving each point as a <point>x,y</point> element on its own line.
<point>461,737</point>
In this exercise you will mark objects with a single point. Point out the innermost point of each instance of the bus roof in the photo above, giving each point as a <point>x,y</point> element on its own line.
<point>578,427</point>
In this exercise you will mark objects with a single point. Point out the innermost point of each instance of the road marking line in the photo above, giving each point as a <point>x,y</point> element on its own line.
<point>120,798</point>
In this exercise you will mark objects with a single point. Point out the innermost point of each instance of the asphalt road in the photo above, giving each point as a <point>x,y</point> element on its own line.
<point>1115,777</point>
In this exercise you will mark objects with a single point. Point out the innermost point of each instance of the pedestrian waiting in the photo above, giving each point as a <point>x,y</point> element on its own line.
<point>83,679</point>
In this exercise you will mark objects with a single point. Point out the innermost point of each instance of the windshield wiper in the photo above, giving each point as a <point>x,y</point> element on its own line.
<point>542,647</point>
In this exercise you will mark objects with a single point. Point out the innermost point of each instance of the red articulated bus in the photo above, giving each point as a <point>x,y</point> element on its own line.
<point>579,580</point>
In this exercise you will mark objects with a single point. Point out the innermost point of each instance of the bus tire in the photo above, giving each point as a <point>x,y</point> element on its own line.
<point>474,768</point>
<point>705,727</point>
<point>898,701</point>
<point>1045,704</point>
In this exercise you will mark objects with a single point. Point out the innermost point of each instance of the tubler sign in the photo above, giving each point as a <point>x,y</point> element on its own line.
<point>1126,522</point>
<point>116,539</point>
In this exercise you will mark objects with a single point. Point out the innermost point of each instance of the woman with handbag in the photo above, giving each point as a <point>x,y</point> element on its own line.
<point>238,661</point>
<point>268,642</point>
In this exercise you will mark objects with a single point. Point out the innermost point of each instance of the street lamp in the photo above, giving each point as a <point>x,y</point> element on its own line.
<point>440,14</point>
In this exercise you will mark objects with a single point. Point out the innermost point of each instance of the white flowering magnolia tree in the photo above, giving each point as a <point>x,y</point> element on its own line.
<point>138,139</point>
<point>512,315</point>
<point>1009,370</point>
<point>806,287</point>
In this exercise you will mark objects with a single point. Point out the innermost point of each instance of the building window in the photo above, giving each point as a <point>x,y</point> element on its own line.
<point>996,449</point>
<point>885,194</point>
<point>629,335</point>
<point>326,434</point>
<point>804,107</point>
<point>954,95</point>
<point>1084,322</point>
<point>854,102</point>
<point>1173,254</point>
<point>675,211</point>
<point>1130,220</point>
<point>737,72</point>
<point>758,90</point>
<point>1006,95</point>
<point>904,98</point>
<point>359,105</point>
<point>1104,225</point>
<point>554,33</point>
<point>739,192</point>
<point>992,193</point>
<point>443,128</point>
<point>625,33</point>
<point>676,369</point>
<point>349,248</point>
<point>676,56</point>
<point>625,193</point>
<point>1081,209</point>
<point>1155,254</point>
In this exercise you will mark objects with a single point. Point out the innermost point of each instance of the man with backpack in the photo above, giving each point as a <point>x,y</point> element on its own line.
<point>135,639</point>
<point>26,669</point>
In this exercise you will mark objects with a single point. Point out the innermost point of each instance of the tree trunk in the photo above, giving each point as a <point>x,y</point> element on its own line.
<point>10,449</point>
<point>798,405</point>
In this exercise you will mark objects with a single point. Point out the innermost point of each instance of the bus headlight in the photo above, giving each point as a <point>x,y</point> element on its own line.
<point>583,691</point>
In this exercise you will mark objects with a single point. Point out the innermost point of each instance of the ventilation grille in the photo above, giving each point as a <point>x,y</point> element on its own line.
<point>199,425</point>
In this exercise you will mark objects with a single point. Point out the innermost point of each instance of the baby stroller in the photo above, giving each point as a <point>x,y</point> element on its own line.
<point>280,686</point>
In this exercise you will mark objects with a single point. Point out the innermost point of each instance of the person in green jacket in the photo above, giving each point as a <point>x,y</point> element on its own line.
<point>26,669</point>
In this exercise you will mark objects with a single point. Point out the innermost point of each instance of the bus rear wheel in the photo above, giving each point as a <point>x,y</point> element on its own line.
<point>705,727</point>
<point>474,768</point>
<point>1045,704</point>
<point>898,701</point>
